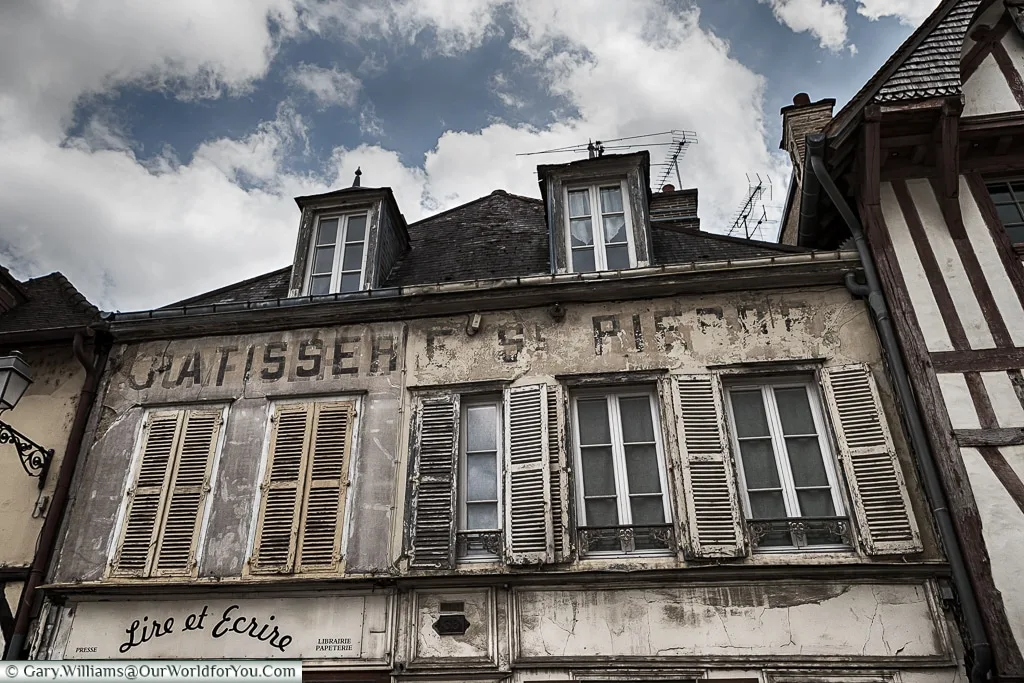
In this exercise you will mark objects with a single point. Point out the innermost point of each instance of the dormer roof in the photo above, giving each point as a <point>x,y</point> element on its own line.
<point>52,309</point>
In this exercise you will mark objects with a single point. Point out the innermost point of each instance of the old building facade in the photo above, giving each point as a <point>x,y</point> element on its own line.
<point>49,323</point>
<point>574,438</point>
<point>927,158</point>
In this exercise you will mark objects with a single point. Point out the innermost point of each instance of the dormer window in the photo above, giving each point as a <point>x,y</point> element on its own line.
<point>338,262</point>
<point>599,228</point>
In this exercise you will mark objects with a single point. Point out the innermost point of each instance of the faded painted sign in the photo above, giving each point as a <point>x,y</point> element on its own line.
<point>288,628</point>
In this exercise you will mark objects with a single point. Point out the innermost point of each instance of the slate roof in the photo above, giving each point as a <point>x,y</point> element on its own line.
<point>499,235</point>
<point>52,304</point>
<point>926,65</point>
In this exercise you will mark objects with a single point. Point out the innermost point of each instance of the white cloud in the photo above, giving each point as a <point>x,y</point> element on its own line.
<point>137,233</point>
<point>824,19</point>
<point>330,87</point>
<point>909,12</point>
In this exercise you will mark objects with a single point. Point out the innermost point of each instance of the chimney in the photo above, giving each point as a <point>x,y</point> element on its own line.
<point>799,119</point>
<point>668,188</point>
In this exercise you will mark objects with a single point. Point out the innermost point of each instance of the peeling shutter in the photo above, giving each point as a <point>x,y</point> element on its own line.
<point>432,488</point>
<point>189,485</point>
<point>880,501</point>
<point>528,535</point>
<point>713,517</point>
<point>145,499</point>
<point>559,476</point>
<point>277,527</point>
<point>326,482</point>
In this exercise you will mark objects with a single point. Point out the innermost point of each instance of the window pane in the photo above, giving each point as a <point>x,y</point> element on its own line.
<point>611,200</point>
<point>767,505</point>
<point>356,229</point>
<point>1000,192</point>
<point>602,513</point>
<point>350,282</point>
<point>598,472</point>
<point>642,469</point>
<point>352,259</point>
<point>593,419</point>
<point>1016,234</point>
<point>328,232</point>
<point>795,411</point>
<point>748,410</point>
<point>579,203</point>
<point>1018,190</point>
<point>321,284</point>
<point>805,461</point>
<point>614,229</point>
<point>482,476</point>
<point>816,503</point>
<point>1008,213</point>
<point>618,257</point>
<point>482,516</point>
<point>482,428</point>
<point>323,260</point>
<point>647,510</point>
<point>581,231</point>
<point>759,468</point>
<point>583,261</point>
<point>637,424</point>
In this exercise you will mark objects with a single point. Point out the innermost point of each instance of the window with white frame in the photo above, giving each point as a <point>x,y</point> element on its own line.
<point>480,492</point>
<point>337,259</point>
<point>622,496</point>
<point>600,230</point>
<point>788,475</point>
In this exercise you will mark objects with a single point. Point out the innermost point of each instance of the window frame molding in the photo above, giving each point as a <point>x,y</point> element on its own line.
<point>342,215</point>
<point>618,461</point>
<point>597,226</point>
<point>466,401</point>
<point>356,398</point>
<point>135,464</point>
<point>765,382</point>
<point>1009,180</point>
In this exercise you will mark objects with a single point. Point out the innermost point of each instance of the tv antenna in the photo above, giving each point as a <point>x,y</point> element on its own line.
<point>681,140</point>
<point>752,215</point>
<point>676,140</point>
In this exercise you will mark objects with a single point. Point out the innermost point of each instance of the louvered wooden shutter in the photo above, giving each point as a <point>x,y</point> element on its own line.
<point>713,517</point>
<point>559,476</point>
<point>277,526</point>
<point>326,483</point>
<point>161,433</point>
<point>528,533</point>
<point>189,486</point>
<point>880,501</point>
<point>434,446</point>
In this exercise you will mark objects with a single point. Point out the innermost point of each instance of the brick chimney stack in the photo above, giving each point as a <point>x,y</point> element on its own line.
<point>799,119</point>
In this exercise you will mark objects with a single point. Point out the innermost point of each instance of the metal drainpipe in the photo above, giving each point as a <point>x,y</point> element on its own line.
<point>980,646</point>
<point>93,363</point>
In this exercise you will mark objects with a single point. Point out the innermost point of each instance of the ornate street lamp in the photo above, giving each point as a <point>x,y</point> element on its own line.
<point>15,376</point>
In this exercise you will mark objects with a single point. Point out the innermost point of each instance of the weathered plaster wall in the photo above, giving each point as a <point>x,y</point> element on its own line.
<point>44,414</point>
<point>247,373</point>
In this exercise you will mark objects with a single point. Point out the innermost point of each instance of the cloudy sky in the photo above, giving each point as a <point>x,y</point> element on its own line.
<point>151,150</point>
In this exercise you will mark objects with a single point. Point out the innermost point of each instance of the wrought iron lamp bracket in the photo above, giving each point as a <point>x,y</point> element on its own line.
<point>34,458</point>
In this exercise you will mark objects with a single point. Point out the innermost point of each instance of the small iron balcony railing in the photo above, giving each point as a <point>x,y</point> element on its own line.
<point>626,539</point>
<point>799,532</point>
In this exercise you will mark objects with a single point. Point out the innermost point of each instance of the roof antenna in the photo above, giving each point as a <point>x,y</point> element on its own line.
<point>590,149</point>
<point>359,172</point>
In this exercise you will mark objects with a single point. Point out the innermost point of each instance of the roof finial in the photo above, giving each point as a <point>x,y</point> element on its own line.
<point>359,172</point>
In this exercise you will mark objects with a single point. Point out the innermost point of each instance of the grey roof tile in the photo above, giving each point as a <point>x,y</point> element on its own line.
<point>52,303</point>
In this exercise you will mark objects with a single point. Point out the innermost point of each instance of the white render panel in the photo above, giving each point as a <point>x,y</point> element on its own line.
<point>921,296</point>
<point>1014,46</point>
<point>1005,403</point>
<point>987,92</point>
<point>952,268</point>
<point>992,266</point>
<point>1002,522</point>
<point>798,619</point>
<point>959,403</point>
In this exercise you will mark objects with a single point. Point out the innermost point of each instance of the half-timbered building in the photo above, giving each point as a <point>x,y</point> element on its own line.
<point>923,170</point>
<point>567,438</point>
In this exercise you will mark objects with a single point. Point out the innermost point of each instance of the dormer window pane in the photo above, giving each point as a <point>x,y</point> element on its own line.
<point>606,249</point>
<point>338,252</point>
